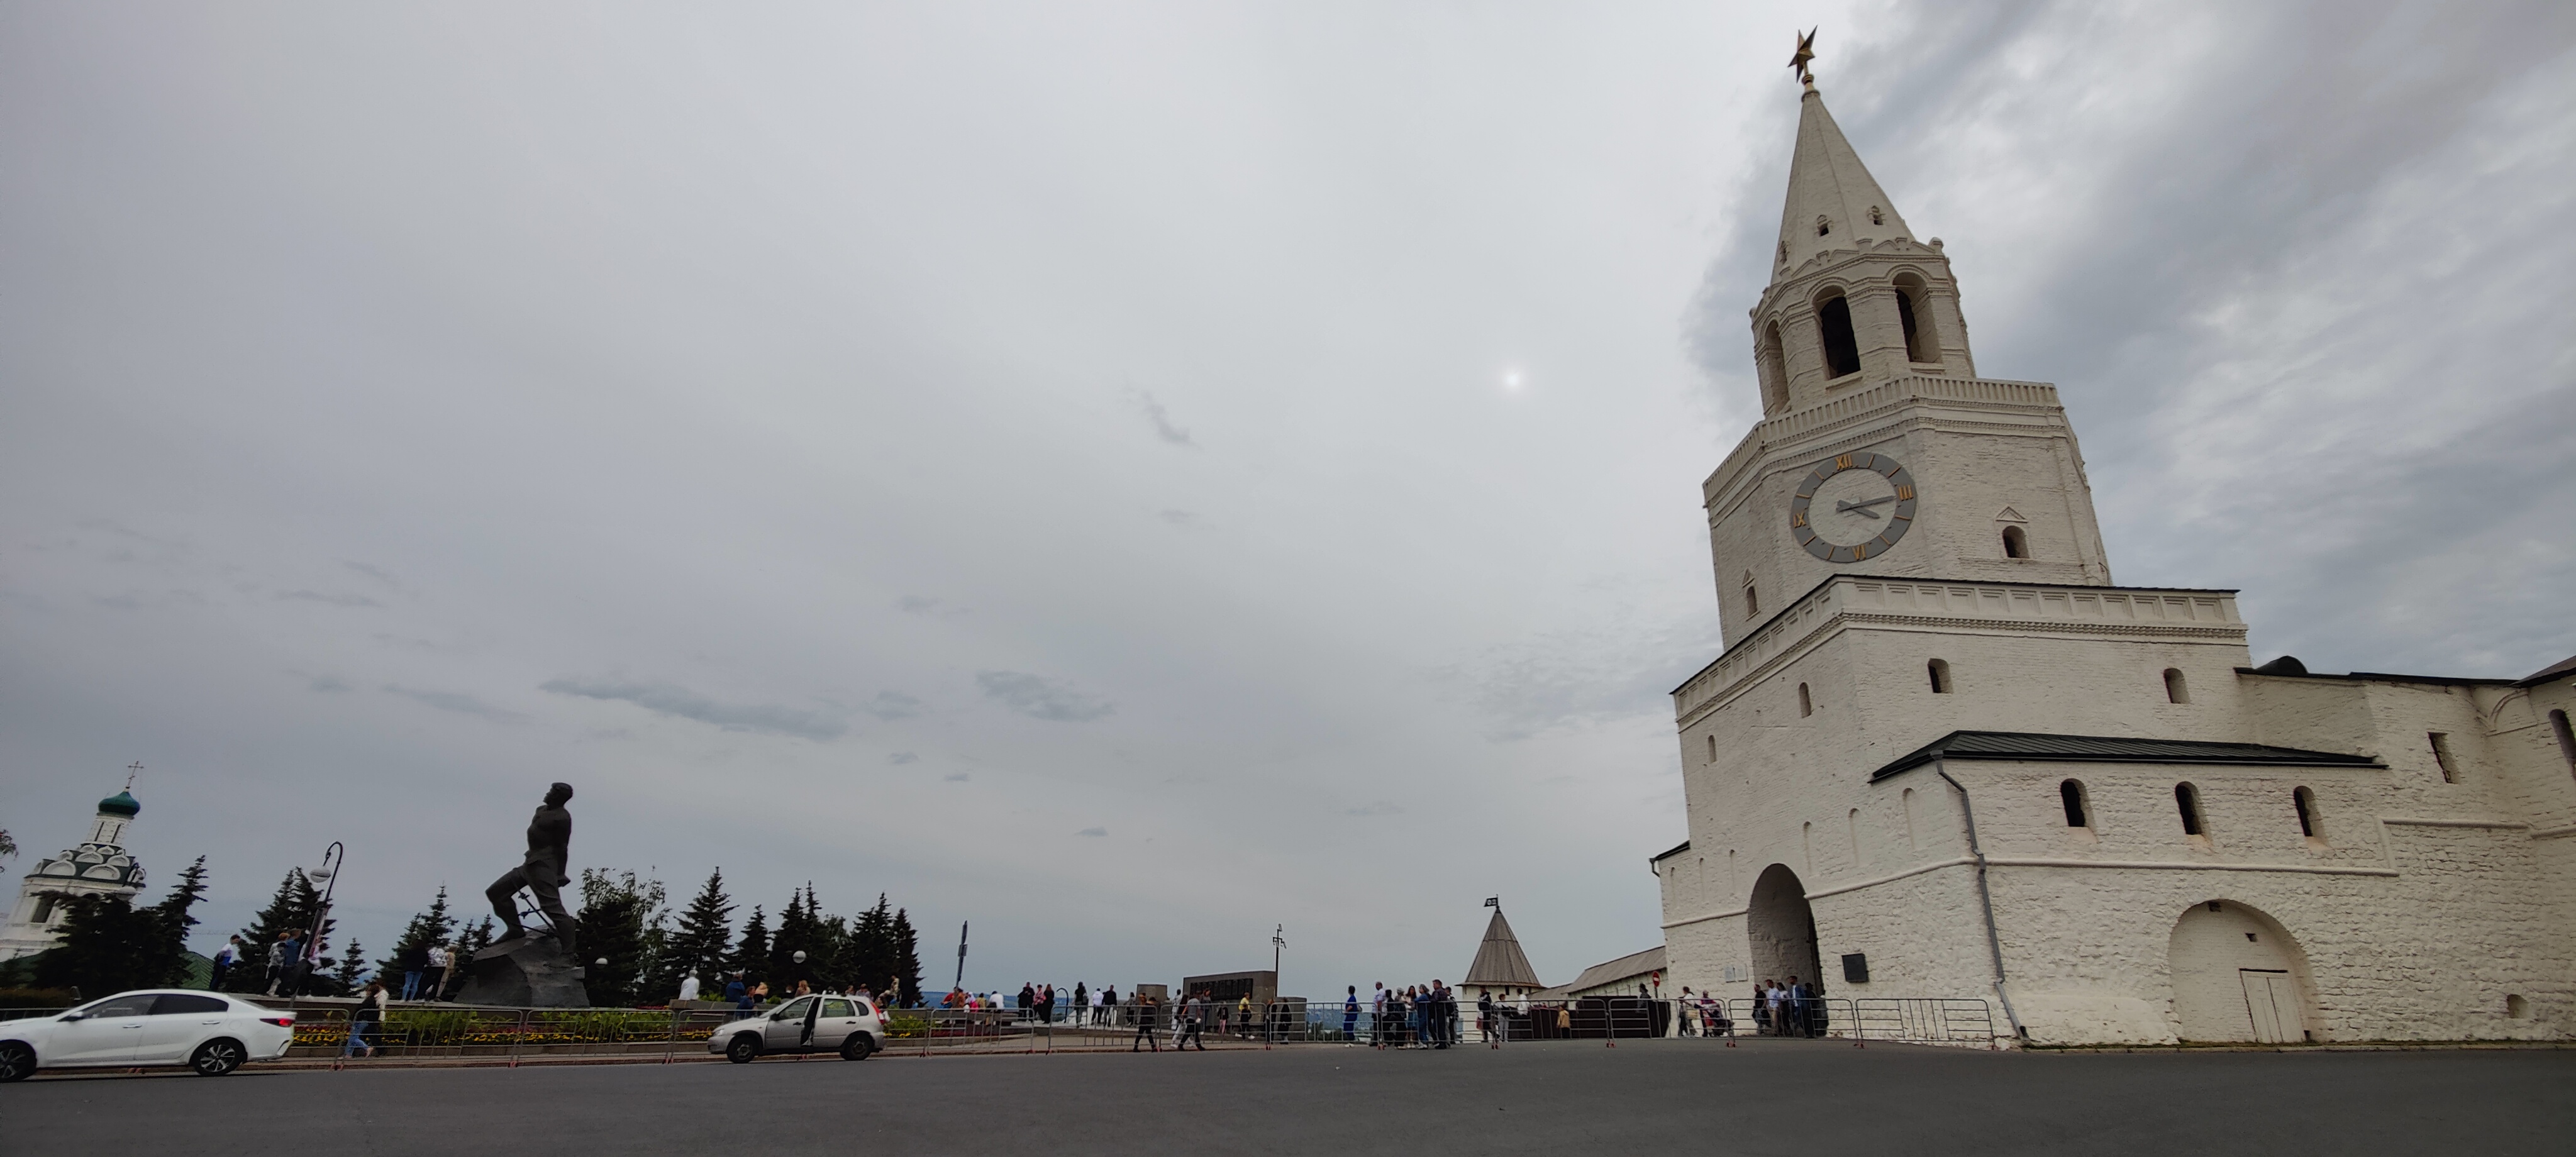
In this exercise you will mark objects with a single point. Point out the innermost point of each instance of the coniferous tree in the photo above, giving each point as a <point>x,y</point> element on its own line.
<point>698,944</point>
<point>351,971</point>
<point>795,934</point>
<point>476,939</point>
<point>411,949</point>
<point>289,910</point>
<point>176,916</point>
<point>621,917</point>
<point>907,956</point>
<point>870,958</point>
<point>751,954</point>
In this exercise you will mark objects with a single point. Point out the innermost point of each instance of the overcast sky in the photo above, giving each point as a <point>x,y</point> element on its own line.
<point>1135,476</point>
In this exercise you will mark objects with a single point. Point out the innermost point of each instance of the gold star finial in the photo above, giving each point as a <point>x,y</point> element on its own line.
<point>1806,52</point>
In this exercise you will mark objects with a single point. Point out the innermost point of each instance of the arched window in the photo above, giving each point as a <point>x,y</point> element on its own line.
<point>1774,367</point>
<point>1712,749</point>
<point>2176,691</point>
<point>1824,226</point>
<point>2566,737</point>
<point>1842,349</point>
<point>1939,669</point>
<point>2305,803</point>
<point>1853,834</point>
<point>2187,800</point>
<point>1914,313</point>
<point>2071,794</point>
<point>2016,544</point>
<point>1752,599</point>
<point>1806,702</point>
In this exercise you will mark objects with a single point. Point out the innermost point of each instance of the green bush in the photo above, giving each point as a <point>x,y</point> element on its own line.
<point>37,998</point>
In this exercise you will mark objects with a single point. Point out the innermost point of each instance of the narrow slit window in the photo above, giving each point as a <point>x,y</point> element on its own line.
<point>1806,702</point>
<point>2440,741</point>
<point>2566,737</point>
<point>2305,802</point>
<point>2176,690</point>
<point>2016,544</point>
<point>2187,801</point>
<point>1752,601</point>
<point>1712,749</point>
<point>2071,794</point>
<point>1939,670</point>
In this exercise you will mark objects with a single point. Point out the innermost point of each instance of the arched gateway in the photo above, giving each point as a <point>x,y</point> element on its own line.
<point>1781,929</point>
<point>2237,976</point>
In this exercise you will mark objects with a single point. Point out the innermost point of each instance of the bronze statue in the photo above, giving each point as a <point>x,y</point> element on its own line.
<point>543,873</point>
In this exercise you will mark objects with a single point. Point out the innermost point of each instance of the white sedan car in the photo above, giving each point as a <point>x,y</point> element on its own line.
<point>816,1024</point>
<point>206,1031</point>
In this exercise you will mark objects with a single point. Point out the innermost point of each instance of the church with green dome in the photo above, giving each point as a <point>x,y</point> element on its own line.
<point>100,864</point>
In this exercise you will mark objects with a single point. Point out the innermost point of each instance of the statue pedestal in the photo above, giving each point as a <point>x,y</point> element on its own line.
<point>531,972</point>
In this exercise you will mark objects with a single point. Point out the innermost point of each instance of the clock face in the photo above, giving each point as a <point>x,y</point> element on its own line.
<point>1853,508</point>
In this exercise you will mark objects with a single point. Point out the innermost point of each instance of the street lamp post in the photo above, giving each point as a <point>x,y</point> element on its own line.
<point>328,876</point>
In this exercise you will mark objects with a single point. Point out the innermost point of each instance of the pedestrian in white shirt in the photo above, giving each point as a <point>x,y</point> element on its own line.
<point>689,988</point>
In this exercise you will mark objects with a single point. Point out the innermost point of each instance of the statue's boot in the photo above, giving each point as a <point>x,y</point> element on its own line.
<point>517,931</point>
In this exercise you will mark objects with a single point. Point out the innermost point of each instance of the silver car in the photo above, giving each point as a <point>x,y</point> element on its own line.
<point>808,1024</point>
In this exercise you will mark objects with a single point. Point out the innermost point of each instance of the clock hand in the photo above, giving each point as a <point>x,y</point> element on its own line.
<point>1862,508</point>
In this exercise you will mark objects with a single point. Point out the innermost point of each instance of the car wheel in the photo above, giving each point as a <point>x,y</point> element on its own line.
<point>17,1062</point>
<point>218,1057</point>
<point>743,1049</point>
<point>857,1047</point>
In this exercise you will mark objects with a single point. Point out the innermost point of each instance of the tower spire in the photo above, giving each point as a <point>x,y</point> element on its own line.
<point>1833,202</point>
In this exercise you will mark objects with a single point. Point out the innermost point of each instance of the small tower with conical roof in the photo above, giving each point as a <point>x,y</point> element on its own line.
<point>1500,970</point>
<point>99,865</point>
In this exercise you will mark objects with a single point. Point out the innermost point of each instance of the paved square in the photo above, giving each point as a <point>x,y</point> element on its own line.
<point>1553,1097</point>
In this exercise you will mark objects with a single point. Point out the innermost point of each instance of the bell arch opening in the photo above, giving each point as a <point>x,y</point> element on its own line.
<point>2238,976</point>
<point>1780,928</point>
<point>1842,346</point>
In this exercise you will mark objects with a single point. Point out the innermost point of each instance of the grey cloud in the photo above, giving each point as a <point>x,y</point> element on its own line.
<point>903,757</point>
<point>327,684</point>
<point>916,604</point>
<point>891,705</point>
<point>956,777</point>
<point>1041,698</point>
<point>1092,832</point>
<point>681,703</point>
<point>1162,420</point>
<point>1180,517</point>
<point>1378,808</point>
<point>456,701</point>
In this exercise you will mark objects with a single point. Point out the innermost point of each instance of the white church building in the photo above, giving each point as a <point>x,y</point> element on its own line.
<point>99,865</point>
<point>1943,755</point>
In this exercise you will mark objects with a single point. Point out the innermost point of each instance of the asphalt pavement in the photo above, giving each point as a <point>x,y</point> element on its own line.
<point>1549,1097</point>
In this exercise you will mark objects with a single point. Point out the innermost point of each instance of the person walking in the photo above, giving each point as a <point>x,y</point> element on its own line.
<point>1485,1018</point>
<point>225,957</point>
<point>414,961</point>
<point>281,957</point>
<point>1196,1011</point>
<point>434,963</point>
<point>364,1018</point>
<point>1108,1005</point>
<point>1145,1025</point>
<point>1351,1015</point>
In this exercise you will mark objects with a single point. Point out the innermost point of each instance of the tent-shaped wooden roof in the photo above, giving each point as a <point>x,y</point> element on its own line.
<point>1499,960</point>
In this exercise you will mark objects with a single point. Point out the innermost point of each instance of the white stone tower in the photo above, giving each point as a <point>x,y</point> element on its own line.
<point>100,864</point>
<point>1862,349</point>
<point>1942,756</point>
